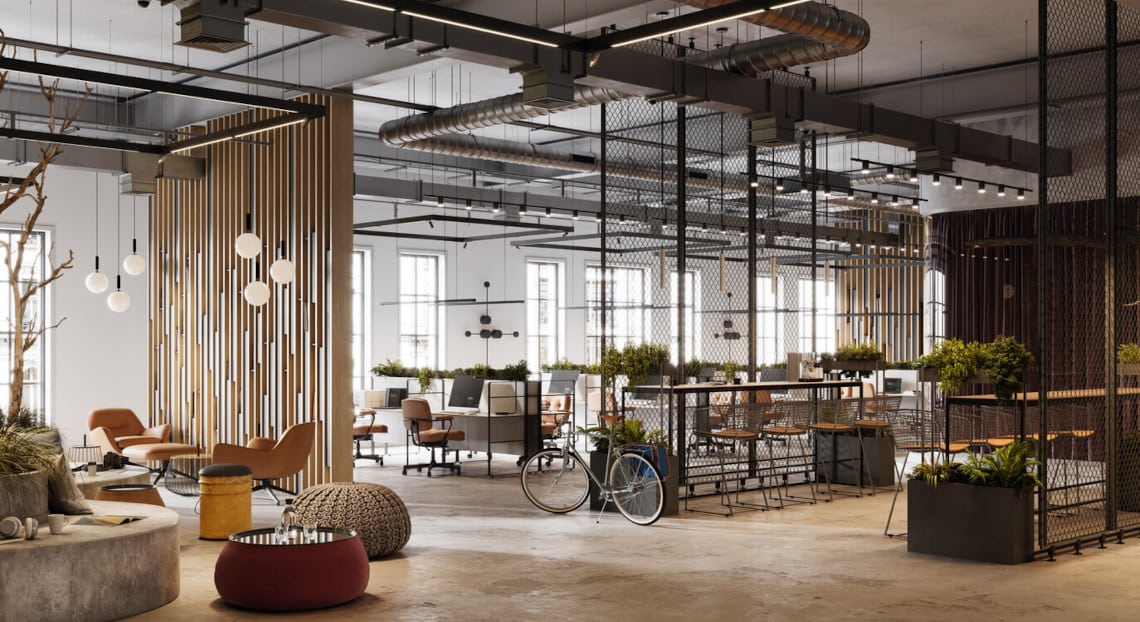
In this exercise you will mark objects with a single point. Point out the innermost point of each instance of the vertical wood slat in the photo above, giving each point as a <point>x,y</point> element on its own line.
<point>221,370</point>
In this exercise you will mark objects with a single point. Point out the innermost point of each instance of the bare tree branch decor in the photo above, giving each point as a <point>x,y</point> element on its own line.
<point>27,326</point>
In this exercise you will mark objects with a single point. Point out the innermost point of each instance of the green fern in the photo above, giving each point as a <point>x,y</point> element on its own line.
<point>1012,466</point>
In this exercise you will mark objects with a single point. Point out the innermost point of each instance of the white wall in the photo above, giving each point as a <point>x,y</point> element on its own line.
<point>98,357</point>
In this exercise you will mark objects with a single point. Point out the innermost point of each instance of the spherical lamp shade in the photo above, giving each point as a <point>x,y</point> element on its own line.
<point>96,282</point>
<point>256,293</point>
<point>134,264</point>
<point>248,245</point>
<point>119,301</point>
<point>282,271</point>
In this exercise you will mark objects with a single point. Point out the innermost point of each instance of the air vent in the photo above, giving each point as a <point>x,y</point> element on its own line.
<point>582,158</point>
<point>221,28</point>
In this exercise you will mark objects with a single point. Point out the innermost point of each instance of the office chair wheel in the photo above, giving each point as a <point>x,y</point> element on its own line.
<point>519,461</point>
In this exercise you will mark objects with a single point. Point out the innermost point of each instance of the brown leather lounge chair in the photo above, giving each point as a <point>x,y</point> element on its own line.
<point>269,459</point>
<point>115,429</point>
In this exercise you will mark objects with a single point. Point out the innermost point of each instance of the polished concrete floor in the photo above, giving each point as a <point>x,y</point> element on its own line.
<point>480,551</point>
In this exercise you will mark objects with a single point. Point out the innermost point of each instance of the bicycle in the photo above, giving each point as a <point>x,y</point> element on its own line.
<point>558,480</point>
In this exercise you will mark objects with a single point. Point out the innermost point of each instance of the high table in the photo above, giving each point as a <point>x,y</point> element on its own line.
<point>681,391</point>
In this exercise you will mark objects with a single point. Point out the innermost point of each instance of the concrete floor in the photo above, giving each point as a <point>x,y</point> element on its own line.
<point>480,551</point>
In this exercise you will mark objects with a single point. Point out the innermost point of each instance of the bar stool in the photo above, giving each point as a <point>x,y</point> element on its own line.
<point>874,422</point>
<point>835,417</point>
<point>788,423</point>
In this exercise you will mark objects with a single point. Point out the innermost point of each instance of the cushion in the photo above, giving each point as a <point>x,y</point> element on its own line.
<point>64,496</point>
<point>437,435</point>
<point>376,513</point>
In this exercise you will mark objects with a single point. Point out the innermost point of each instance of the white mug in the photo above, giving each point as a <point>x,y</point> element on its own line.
<point>92,469</point>
<point>56,523</point>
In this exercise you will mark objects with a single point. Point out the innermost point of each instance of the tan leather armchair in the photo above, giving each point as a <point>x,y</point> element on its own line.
<point>115,429</point>
<point>269,459</point>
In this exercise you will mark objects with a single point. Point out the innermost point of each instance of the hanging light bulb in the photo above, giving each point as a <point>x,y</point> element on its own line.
<point>119,301</point>
<point>134,264</point>
<point>248,245</point>
<point>256,293</point>
<point>937,180</point>
<point>96,282</point>
<point>282,271</point>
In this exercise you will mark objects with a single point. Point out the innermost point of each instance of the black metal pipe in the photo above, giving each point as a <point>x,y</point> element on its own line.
<point>1110,245</point>
<point>1042,258</point>
<point>752,183</point>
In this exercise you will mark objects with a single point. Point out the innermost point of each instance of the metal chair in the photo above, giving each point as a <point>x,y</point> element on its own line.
<point>835,417</point>
<point>739,428</point>
<point>873,422</point>
<point>788,423</point>
<point>920,432</point>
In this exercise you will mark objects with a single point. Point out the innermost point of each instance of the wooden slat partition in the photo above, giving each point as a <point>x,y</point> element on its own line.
<point>222,370</point>
<point>883,304</point>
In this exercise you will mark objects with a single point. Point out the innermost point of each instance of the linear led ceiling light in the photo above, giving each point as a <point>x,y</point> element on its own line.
<point>237,132</point>
<point>688,21</point>
<point>489,31</point>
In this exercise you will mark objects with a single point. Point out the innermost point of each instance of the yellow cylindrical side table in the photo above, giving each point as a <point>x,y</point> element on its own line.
<point>226,504</point>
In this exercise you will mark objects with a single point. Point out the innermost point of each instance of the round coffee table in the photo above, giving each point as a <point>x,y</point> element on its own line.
<point>181,477</point>
<point>255,571</point>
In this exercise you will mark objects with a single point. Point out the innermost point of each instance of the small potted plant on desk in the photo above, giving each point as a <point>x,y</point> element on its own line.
<point>631,433</point>
<point>730,368</point>
<point>981,509</point>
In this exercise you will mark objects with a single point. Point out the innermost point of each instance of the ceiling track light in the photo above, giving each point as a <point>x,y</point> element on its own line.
<point>875,197</point>
<point>1020,194</point>
<point>522,210</point>
<point>957,183</point>
<point>937,180</point>
<point>439,201</point>
<point>913,176</point>
<point>981,187</point>
<point>1001,190</point>
<point>890,172</point>
<point>467,205</point>
<point>548,211</point>
<point>779,185</point>
<point>598,217</point>
<point>574,215</point>
<point>866,167</point>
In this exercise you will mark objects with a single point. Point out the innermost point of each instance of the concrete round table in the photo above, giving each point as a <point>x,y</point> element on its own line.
<point>255,571</point>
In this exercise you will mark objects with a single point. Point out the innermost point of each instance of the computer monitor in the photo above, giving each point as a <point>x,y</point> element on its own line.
<point>892,385</point>
<point>562,381</point>
<point>465,392</point>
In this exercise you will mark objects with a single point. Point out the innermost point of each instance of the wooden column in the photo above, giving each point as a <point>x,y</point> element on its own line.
<point>221,369</point>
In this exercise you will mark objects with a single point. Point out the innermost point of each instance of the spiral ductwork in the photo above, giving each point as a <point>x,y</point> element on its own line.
<point>468,146</point>
<point>816,33</point>
<point>486,113</point>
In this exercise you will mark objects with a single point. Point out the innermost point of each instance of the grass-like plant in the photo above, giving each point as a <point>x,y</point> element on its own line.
<point>20,454</point>
<point>1128,353</point>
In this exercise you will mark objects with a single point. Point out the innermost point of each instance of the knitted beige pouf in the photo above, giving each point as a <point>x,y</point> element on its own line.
<point>375,512</point>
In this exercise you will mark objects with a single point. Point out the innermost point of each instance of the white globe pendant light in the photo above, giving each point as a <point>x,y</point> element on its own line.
<point>256,293</point>
<point>96,282</point>
<point>282,271</point>
<point>248,245</point>
<point>134,264</point>
<point>119,301</point>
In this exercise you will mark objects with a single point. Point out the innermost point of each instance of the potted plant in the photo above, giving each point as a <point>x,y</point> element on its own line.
<point>629,432</point>
<point>981,509</point>
<point>425,375</point>
<point>1128,359</point>
<point>25,467</point>
<point>1004,361</point>
<point>854,360</point>
<point>730,368</point>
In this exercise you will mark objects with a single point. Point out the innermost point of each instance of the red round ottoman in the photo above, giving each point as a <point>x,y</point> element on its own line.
<point>256,572</point>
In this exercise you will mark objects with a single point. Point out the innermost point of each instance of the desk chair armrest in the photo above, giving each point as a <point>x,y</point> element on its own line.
<point>444,418</point>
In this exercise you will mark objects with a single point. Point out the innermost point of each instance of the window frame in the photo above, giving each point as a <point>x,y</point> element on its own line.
<point>593,336</point>
<point>559,320</point>
<point>439,311</point>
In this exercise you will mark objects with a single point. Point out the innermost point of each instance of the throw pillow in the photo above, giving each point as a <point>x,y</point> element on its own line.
<point>64,496</point>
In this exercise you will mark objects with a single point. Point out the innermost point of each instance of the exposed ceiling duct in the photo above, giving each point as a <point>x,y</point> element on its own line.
<point>486,113</point>
<point>217,26</point>
<point>468,146</point>
<point>816,32</point>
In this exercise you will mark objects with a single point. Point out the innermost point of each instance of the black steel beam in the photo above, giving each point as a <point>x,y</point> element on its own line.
<point>461,219</point>
<point>158,86</point>
<point>688,21</point>
<point>83,141</point>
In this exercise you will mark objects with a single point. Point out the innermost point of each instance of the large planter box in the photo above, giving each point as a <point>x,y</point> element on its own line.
<point>24,495</point>
<point>598,465</point>
<point>879,458</point>
<point>854,365</point>
<point>1128,369</point>
<point>971,522</point>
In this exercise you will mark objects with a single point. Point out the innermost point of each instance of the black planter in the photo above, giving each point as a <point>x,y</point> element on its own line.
<point>971,522</point>
<point>879,458</point>
<point>669,483</point>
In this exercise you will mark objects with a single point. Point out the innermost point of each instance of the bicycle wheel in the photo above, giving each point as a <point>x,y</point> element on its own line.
<point>555,481</point>
<point>637,490</point>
